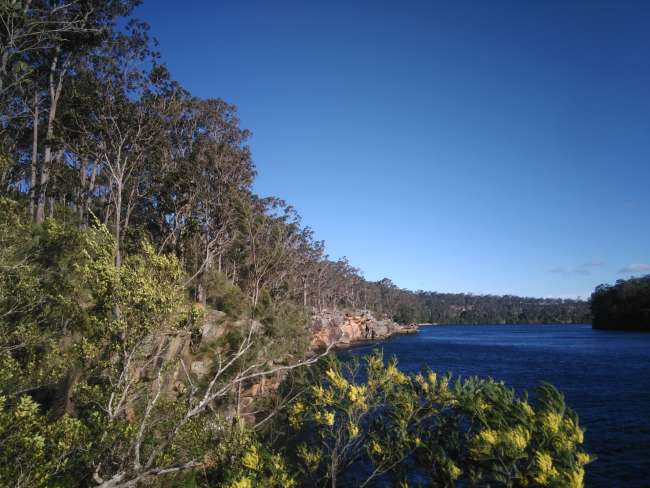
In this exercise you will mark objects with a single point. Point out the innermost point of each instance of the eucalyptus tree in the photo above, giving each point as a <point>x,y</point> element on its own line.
<point>120,134</point>
<point>270,231</point>
<point>309,255</point>
<point>209,172</point>
<point>83,25</point>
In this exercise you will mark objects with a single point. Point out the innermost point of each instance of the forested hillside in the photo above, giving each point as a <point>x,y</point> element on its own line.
<point>147,294</point>
<point>94,128</point>
<point>462,308</point>
<point>624,305</point>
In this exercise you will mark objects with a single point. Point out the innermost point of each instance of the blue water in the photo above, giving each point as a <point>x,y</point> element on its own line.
<point>604,375</point>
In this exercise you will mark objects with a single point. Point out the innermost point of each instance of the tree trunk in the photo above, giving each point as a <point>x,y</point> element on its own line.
<point>42,185</point>
<point>118,223</point>
<point>55,91</point>
<point>201,288</point>
<point>77,204</point>
<point>87,194</point>
<point>32,176</point>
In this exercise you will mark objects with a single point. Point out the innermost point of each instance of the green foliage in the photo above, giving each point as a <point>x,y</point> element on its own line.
<point>35,451</point>
<point>5,162</point>
<point>224,295</point>
<point>71,324</point>
<point>240,460</point>
<point>282,320</point>
<point>475,432</point>
<point>38,306</point>
<point>134,298</point>
<point>625,305</point>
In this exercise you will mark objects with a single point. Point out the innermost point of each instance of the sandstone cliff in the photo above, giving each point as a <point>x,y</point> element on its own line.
<point>346,328</point>
<point>330,327</point>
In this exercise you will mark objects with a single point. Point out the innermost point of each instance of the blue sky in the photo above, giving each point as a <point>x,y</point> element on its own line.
<point>485,147</point>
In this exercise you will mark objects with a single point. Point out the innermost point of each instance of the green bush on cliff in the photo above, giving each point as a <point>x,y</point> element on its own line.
<point>93,390</point>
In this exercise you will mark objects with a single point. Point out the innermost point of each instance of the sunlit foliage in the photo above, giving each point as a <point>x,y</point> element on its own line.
<point>435,428</point>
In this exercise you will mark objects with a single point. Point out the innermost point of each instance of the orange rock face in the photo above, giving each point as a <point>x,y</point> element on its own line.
<point>345,328</point>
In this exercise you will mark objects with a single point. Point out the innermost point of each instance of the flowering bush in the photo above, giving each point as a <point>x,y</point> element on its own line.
<point>475,432</point>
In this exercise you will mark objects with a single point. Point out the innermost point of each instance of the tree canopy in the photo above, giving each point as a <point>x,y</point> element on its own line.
<point>624,305</point>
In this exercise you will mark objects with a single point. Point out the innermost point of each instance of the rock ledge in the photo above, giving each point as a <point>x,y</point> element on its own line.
<point>347,328</point>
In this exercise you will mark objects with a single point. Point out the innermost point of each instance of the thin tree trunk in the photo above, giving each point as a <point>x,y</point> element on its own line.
<point>87,195</point>
<point>77,204</point>
<point>55,91</point>
<point>118,222</point>
<point>42,185</point>
<point>32,176</point>
<point>239,399</point>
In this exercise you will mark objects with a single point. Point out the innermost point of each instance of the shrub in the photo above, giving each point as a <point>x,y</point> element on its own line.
<point>432,428</point>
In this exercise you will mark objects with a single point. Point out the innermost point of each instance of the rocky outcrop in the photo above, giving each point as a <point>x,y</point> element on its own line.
<point>346,328</point>
<point>196,349</point>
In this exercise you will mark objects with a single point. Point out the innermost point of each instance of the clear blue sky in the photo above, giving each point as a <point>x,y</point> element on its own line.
<point>484,146</point>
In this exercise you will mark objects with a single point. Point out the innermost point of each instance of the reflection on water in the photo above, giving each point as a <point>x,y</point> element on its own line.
<point>605,377</point>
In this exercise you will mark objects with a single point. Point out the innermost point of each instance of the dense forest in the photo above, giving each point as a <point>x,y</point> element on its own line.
<point>146,290</point>
<point>406,306</point>
<point>624,305</point>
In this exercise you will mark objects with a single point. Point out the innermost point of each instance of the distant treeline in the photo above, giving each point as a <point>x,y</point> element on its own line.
<point>461,308</point>
<point>625,305</point>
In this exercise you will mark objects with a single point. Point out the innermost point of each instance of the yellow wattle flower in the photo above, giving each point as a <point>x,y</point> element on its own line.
<point>251,459</point>
<point>312,458</point>
<point>488,436</point>
<point>353,429</point>
<point>518,438</point>
<point>576,478</point>
<point>454,471</point>
<point>336,379</point>
<point>298,408</point>
<point>375,448</point>
<point>318,391</point>
<point>552,421</point>
<point>484,407</point>
<point>356,394</point>
<point>396,375</point>
<point>547,471</point>
<point>241,483</point>
<point>328,418</point>
<point>583,458</point>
